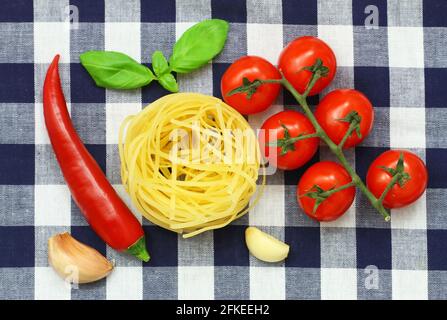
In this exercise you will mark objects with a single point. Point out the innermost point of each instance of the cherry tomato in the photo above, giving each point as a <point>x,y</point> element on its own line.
<point>303,52</point>
<point>326,175</point>
<point>297,153</point>
<point>337,105</point>
<point>252,68</point>
<point>377,178</point>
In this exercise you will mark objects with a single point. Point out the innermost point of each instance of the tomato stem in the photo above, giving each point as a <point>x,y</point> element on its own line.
<point>288,143</point>
<point>399,177</point>
<point>250,87</point>
<point>354,124</point>
<point>320,195</point>
<point>332,146</point>
<point>330,192</point>
<point>318,70</point>
<point>302,137</point>
<point>389,187</point>
<point>317,190</point>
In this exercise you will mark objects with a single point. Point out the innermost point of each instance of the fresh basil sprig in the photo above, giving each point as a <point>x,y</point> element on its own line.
<point>159,63</point>
<point>163,72</point>
<point>197,46</point>
<point>115,70</point>
<point>168,82</point>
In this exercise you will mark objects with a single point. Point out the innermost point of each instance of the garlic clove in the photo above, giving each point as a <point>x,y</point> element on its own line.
<point>76,262</point>
<point>264,246</point>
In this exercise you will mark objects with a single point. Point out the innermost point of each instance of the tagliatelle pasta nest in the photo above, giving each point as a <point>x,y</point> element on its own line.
<point>189,162</point>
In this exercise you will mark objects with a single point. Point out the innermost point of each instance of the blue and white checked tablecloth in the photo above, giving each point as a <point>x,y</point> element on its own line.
<point>401,66</point>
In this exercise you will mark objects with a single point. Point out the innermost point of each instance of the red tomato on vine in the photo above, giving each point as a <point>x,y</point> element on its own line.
<point>343,108</point>
<point>245,70</point>
<point>322,177</point>
<point>408,188</point>
<point>279,143</point>
<point>302,53</point>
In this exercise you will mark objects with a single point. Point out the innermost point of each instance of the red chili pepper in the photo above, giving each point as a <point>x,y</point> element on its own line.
<point>104,210</point>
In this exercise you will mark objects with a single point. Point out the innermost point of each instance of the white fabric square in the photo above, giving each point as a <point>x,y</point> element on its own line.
<point>115,114</point>
<point>181,27</point>
<point>195,283</point>
<point>412,217</point>
<point>407,127</point>
<point>40,130</point>
<point>48,285</point>
<point>52,205</point>
<point>338,284</point>
<point>410,284</point>
<point>125,283</point>
<point>267,283</point>
<point>341,40</point>
<point>406,47</point>
<point>265,40</point>
<point>51,38</point>
<point>270,210</point>
<point>123,37</point>
<point>257,120</point>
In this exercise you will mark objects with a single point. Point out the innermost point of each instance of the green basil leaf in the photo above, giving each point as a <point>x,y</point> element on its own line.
<point>159,63</point>
<point>198,45</point>
<point>115,70</point>
<point>168,82</point>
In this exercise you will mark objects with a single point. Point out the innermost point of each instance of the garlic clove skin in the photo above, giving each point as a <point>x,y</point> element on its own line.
<point>76,262</point>
<point>264,246</point>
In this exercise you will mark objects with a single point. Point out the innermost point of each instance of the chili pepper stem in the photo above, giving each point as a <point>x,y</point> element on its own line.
<point>138,249</point>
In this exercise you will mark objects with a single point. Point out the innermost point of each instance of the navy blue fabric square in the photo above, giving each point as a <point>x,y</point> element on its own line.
<point>374,82</point>
<point>289,100</point>
<point>16,11</point>
<point>435,92</point>
<point>86,235</point>
<point>158,11</point>
<point>83,88</point>
<point>304,247</point>
<point>302,12</point>
<point>437,167</point>
<point>90,11</point>
<point>229,246</point>
<point>218,71</point>
<point>162,247</point>
<point>291,177</point>
<point>232,11</point>
<point>434,13</point>
<point>373,248</point>
<point>152,92</point>
<point>363,158</point>
<point>437,249</point>
<point>360,6</point>
<point>16,246</point>
<point>17,83</point>
<point>98,151</point>
<point>17,164</point>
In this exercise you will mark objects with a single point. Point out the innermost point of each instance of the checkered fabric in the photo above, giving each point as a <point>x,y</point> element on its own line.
<point>401,66</point>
